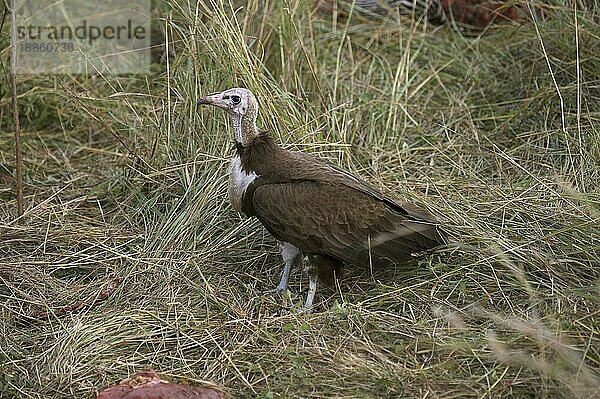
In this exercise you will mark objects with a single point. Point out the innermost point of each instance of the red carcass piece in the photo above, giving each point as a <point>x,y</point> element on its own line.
<point>480,13</point>
<point>148,385</point>
<point>476,14</point>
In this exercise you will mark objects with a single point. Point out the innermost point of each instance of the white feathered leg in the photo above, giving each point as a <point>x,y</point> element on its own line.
<point>311,265</point>
<point>310,297</point>
<point>290,254</point>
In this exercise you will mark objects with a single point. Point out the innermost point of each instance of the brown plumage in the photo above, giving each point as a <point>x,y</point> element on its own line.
<point>317,210</point>
<point>324,210</point>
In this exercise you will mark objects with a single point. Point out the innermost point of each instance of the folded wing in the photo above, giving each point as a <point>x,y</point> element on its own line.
<point>339,219</point>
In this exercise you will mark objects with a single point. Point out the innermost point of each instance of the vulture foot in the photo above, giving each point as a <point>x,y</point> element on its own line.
<point>277,290</point>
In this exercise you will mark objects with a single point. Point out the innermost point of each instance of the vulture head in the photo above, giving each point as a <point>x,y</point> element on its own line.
<point>237,101</point>
<point>242,106</point>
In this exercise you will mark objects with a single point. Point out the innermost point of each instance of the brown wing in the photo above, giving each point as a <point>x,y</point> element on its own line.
<point>340,221</point>
<point>319,169</point>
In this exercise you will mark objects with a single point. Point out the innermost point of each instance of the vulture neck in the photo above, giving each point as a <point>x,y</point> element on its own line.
<point>244,128</point>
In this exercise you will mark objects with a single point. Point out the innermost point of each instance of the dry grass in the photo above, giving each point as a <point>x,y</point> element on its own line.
<point>496,134</point>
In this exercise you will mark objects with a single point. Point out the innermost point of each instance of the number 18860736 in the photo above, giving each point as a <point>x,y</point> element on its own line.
<point>47,47</point>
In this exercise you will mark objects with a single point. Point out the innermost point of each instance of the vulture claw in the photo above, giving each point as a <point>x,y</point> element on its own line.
<point>304,311</point>
<point>276,290</point>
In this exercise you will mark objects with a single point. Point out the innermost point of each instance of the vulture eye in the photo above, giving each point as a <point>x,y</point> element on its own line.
<point>236,99</point>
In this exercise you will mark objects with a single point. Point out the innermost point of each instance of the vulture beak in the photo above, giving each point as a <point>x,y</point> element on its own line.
<point>214,99</point>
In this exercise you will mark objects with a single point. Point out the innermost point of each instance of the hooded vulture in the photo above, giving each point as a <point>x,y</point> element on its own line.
<point>321,214</point>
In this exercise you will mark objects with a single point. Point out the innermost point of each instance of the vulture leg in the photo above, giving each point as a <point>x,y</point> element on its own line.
<point>310,297</point>
<point>290,254</point>
<point>320,268</point>
<point>314,265</point>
